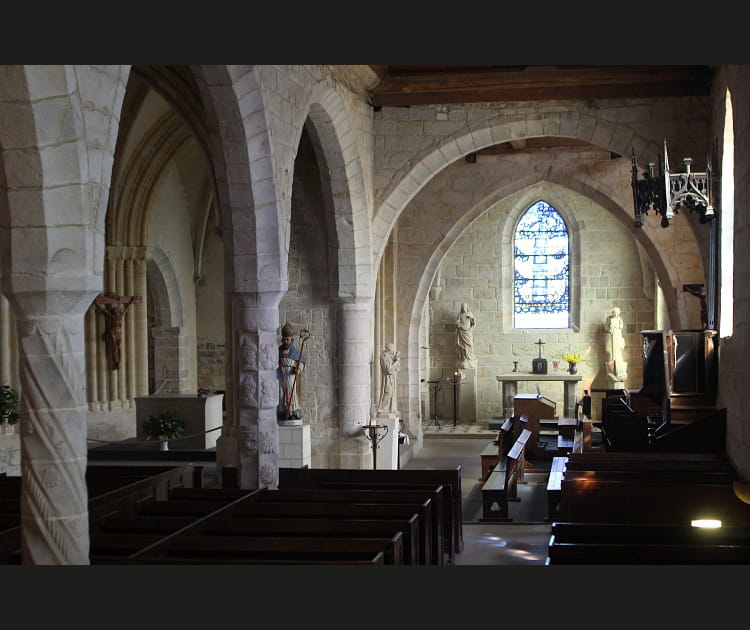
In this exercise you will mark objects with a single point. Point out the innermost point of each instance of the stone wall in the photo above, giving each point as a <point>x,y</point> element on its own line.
<point>608,269</point>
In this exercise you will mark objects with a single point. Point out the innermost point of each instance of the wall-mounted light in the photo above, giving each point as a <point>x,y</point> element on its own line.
<point>706,523</point>
<point>666,192</point>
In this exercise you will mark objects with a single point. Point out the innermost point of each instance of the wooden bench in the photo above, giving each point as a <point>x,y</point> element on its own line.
<point>433,510</point>
<point>450,479</point>
<point>554,481</point>
<point>659,503</point>
<point>494,451</point>
<point>501,485</point>
<point>327,527</point>
<point>607,543</point>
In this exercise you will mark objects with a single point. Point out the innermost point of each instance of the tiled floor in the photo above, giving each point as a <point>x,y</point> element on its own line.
<point>523,541</point>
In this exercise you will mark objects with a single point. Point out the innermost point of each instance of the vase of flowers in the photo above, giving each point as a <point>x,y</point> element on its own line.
<point>572,358</point>
<point>163,427</point>
<point>9,405</point>
<point>203,392</point>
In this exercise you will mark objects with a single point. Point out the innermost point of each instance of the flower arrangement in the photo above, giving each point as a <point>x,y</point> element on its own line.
<point>9,403</point>
<point>572,357</point>
<point>203,392</point>
<point>163,425</point>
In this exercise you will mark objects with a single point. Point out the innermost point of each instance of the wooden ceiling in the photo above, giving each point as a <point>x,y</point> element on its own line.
<point>432,85</point>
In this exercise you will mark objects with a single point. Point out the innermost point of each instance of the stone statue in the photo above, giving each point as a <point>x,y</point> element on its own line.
<point>465,323</point>
<point>617,368</point>
<point>289,372</point>
<point>390,363</point>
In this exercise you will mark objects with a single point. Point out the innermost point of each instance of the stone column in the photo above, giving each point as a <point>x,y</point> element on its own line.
<point>249,441</point>
<point>54,498</point>
<point>355,379</point>
<point>140,319</point>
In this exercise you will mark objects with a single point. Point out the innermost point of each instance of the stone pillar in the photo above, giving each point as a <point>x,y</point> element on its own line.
<point>355,385</point>
<point>54,498</point>
<point>140,319</point>
<point>8,371</point>
<point>249,441</point>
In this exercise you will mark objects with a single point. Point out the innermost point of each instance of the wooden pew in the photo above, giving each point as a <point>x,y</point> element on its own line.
<point>209,510</point>
<point>450,479</point>
<point>237,548</point>
<point>433,510</point>
<point>658,503</point>
<point>494,451</point>
<point>438,494</point>
<point>327,527</point>
<point>608,543</point>
<point>256,509</point>
<point>501,485</point>
<point>554,481</point>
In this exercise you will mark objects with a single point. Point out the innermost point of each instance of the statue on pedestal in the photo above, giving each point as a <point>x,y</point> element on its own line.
<point>465,324</point>
<point>616,366</point>
<point>390,363</point>
<point>291,366</point>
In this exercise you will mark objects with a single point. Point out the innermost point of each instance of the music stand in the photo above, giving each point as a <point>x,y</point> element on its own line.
<point>436,387</point>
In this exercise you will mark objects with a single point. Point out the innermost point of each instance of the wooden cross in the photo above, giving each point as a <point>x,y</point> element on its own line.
<point>114,307</point>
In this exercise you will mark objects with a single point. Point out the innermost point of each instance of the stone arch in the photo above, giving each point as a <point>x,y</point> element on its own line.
<point>666,271</point>
<point>166,339</point>
<point>238,136</point>
<point>131,206</point>
<point>408,180</point>
<point>335,144</point>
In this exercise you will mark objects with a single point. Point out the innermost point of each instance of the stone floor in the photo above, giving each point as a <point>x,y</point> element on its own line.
<point>523,540</point>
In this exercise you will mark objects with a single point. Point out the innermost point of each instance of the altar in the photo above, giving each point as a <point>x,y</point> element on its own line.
<point>510,389</point>
<point>203,417</point>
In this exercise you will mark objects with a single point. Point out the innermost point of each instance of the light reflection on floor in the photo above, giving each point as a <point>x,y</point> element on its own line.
<point>504,544</point>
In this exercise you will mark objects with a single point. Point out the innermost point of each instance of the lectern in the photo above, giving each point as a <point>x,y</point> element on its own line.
<point>535,407</point>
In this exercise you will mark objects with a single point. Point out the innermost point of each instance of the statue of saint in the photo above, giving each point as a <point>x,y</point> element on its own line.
<point>390,363</point>
<point>465,323</point>
<point>289,372</point>
<point>614,326</point>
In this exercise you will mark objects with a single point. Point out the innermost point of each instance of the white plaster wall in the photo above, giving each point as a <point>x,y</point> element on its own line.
<point>734,372</point>
<point>171,230</point>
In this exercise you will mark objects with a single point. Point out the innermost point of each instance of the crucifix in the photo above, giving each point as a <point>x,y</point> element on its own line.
<point>539,365</point>
<point>114,307</point>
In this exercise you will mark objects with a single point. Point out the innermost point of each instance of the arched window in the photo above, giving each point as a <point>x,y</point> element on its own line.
<point>541,278</point>
<point>726,226</point>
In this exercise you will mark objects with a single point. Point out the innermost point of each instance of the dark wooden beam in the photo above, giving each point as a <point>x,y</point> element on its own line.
<point>423,85</point>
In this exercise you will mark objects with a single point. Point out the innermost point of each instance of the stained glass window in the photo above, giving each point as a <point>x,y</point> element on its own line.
<point>541,285</point>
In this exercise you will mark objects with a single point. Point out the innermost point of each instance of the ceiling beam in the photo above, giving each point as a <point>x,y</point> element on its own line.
<point>424,85</point>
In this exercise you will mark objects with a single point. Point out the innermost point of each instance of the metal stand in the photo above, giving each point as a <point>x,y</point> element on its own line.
<point>371,433</point>
<point>436,387</point>
<point>456,379</point>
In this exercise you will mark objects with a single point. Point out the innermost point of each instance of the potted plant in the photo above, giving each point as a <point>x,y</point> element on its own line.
<point>9,404</point>
<point>163,427</point>
<point>572,358</point>
<point>203,392</point>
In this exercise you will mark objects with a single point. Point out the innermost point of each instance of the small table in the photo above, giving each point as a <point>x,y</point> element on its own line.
<point>510,389</point>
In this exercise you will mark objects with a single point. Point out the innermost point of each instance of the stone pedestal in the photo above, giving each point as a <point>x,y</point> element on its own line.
<point>199,414</point>
<point>467,396</point>
<point>388,447</point>
<point>294,446</point>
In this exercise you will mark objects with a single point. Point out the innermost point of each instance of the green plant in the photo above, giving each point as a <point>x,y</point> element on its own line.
<point>163,425</point>
<point>572,357</point>
<point>9,403</point>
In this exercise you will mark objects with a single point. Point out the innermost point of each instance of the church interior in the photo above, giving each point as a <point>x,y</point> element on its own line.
<point>533,266</point>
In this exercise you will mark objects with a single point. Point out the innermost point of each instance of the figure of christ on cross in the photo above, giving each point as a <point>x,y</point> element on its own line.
<point>114,307</point>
